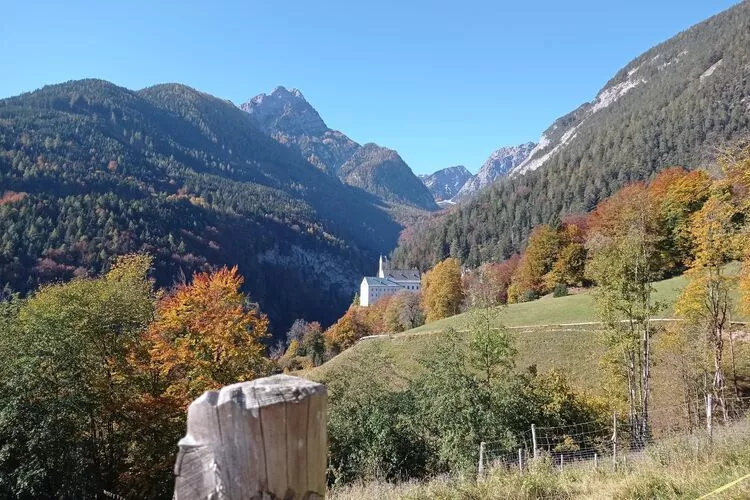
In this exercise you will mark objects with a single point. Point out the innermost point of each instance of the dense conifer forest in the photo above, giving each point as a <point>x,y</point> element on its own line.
<point>89,170</point>
<point>680,101</point>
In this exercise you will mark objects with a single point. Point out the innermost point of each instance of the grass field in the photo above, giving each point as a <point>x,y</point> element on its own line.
<point>554,311</point>
<point>541,329</point>
<point>549,333</point>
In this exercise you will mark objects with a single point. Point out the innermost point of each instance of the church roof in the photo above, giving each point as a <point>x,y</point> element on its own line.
<point>402,274</point>
<point>375,281</point>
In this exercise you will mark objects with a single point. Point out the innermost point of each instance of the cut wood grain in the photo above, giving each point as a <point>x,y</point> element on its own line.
<point>255,440</point>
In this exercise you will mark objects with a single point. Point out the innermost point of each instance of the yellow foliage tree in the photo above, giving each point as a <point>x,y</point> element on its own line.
<point>205,336</point>
<point>442,290</point>
<point>706,299</point>
<point>530,278</point>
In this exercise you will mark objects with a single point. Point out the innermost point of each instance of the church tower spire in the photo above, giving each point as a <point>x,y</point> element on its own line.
<point>381,270</point>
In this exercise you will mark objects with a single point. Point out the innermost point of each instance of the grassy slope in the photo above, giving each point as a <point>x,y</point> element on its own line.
<point>573,349</point>
<point>548,311</point>
<point>541,338</point>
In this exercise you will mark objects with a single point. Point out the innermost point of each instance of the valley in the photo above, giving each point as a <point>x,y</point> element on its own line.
<point>204,291</point>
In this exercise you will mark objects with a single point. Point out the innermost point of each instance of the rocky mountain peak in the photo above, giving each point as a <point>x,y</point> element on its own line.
<point>285,112</point>
<point>285,115</point>
<point>446,183</point>
<point>499,164</point>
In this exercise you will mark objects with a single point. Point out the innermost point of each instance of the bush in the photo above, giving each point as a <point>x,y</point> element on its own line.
<point>528,296</point>
<point>560,290</point>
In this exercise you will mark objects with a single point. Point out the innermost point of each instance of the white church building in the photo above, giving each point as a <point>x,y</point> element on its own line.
<point>387,282</point>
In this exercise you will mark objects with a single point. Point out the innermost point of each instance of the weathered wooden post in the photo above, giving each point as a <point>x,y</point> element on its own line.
<point>259,439</point>
<point>533,439</point>
<point>709,415</point>
<point>520,461</point>
<point>481,459</point>
<point>614,440</point>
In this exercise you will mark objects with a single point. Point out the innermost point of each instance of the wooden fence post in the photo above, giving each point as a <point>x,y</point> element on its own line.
<point>481,459</point>
<point>259,439</point>
<point>520,461</point>
<point>709,415</point>
<point>614,440</point>
<point>533,439</point>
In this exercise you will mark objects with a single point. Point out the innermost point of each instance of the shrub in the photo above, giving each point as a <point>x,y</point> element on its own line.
<point>560,290</point>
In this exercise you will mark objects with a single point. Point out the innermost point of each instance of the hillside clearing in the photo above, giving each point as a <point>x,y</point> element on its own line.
<point>577,308</point>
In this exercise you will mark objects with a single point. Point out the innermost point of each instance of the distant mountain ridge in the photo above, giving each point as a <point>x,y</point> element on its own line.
<point>453,184</point>
<point>445,183</point>
<point>672,105</point>
<point>500,163</point>
<point>286,116</point>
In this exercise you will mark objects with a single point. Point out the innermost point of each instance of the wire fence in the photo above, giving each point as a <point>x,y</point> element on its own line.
<point>605,443</point>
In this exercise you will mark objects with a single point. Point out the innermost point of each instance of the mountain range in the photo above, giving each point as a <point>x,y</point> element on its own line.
<point>90,170</point>
<point>673,105</point>
<point>453,184</point>
<point>445,183</point>
<point>286,116</point>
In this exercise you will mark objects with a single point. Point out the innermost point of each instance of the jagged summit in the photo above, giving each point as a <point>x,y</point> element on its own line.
<point>445,183</point>
<point>499,164</point>
<point>285,115</point>
<point>286,112</point>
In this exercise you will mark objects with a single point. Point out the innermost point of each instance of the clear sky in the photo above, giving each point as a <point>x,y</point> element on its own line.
<point>442,82</point>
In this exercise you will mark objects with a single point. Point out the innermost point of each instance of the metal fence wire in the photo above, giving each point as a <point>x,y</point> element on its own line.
<point>604,443</point>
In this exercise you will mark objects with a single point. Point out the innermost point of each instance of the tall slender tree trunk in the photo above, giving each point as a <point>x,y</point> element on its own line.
<point>718,383</point>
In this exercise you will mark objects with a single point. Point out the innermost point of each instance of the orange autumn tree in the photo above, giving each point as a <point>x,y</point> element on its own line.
<point>205,336</point>
<point>676,194</point>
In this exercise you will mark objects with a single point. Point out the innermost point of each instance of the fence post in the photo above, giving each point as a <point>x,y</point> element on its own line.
<point>709,415</point>
<point>596,462</point>
<point>614,440</point>
<point>520,461</point>
<point>562,460</point>
<point>533,440</point>
<point>259,439</point>
<point>481,458</point>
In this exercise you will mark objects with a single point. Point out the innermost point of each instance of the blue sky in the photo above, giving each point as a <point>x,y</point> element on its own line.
<point>443,83</point>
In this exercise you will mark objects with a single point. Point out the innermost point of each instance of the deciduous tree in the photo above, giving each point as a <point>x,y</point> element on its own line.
<point>68,397</point>
<point>706,300</point>
<point>623,244</point>
<point>442,290</point>
<point>206,336</point>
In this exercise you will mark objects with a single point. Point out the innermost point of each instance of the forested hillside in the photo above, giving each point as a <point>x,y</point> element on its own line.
<point>673,105</point>
<point>89,170</point>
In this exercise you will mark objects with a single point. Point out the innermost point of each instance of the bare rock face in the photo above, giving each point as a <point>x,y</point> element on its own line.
<point>499,164</point>
<point>286,116</point>
<point>255,440</point>
<point>447,182</point>
<point>286,112</point>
